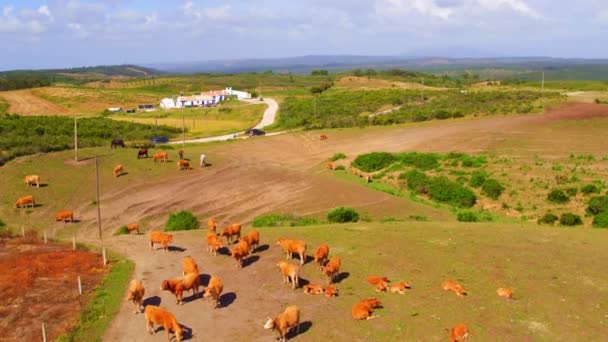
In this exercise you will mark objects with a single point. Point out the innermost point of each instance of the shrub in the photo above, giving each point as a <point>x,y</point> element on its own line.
<point>569,219</point>
<point>340,167</point>
<point>374,161</point>
<point>558,196</point>
<point>548,218</point>
<point>477,179</point>
<point>492,188</point>
<point>598,205</point>
<point>422,161</point>
<point>122,230</point>
<point>338,156</point>
<point>467,216</point>
<point>416,181</point>
<point>590,189</point>
<point>342,215</point>
<point>283,220</point>
<point>182,220</point>
<point>601,220</point>
<point>442,189</point>
<point>571,191</point>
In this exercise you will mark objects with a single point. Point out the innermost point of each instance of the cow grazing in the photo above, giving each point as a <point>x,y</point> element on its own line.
<point>118,170</point>
<point>332,269</point>
<point>459,333</point>
<point>161,156</point>
<point>323,137</point>
<point>213,243</point>
<point>321,254</point>
<point>133,227</point>
<point>290,272</point>
<point>189,266</point>
<point>117,142</point>
<point>284,322</point>
<point>252,239</point>
<point>183,165</point>
<point>313,289</point>
<point>142,152</point>
<point>136,294</point>
<point>65,216</point>
<point>159,237</point>
<point>365,309</point>
<point>156,315</point>
<point>233,230</point>
<point>293,246</point>
<point>450,285</point>
<point>239,252</point>
<point>180,153</point>
<point>356,172</point>
<point>380,283</point>
<point>330,291</point>
<point>31,180</point>
<point>368,178</point>
<point>212,224</point>
<point>203,162</point>
<point>505,292</point>
<point>214,290</point>
<point>177,286</point>
<point>331,166</point>
<point>399,288</point>
<point>25,201</point>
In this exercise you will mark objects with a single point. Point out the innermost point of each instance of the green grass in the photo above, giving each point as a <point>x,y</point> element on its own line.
<point>283,220</point>
<point>105,302</point>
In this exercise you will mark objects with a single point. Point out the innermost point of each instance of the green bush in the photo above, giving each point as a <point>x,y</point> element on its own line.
<point>374,161</point>
<point>572,191</point>
<point>342,215</point>
<point>569,219</point>
<point>442,189</point>
<point>548,218</point>
<point>338,156</point>
<point>283,220</point>
<point>340,168</point>
<point>122,230</point>
<point>492,188</point>
<point>477,179</point>
<point>417,181</point>
<point>422,161</point>
<point>182,220</point>
<point>598,205</point>
<point>558,196</point>
<point>601,220</point>
<point>590,189</point>
<point>467,216</point>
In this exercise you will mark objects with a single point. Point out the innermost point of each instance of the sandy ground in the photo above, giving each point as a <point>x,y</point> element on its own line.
<point>23,102</point>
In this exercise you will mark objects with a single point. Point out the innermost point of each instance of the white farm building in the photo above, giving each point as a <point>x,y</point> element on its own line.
<point>204,99</point>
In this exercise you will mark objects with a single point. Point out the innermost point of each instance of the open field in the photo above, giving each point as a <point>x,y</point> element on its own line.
<point>25,102</point>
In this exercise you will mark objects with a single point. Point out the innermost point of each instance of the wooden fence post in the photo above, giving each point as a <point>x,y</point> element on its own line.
<point>43,333</point>
<point>74,242</point>
<point>79,286</point>
<point>104,256</point>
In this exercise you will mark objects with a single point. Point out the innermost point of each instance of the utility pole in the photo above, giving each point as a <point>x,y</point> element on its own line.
<point>183,132</point>
<point>75,139</point>
<point>542,85</point>
<point>422,90</point>
<point>97,198</point>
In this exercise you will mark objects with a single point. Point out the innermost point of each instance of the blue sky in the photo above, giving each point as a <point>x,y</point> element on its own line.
<point>68,33</point>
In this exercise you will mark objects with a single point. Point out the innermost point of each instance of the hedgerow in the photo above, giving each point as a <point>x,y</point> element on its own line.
<point>374,161</point>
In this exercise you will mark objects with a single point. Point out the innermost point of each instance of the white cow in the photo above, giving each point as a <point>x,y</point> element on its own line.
<point>203,163</point>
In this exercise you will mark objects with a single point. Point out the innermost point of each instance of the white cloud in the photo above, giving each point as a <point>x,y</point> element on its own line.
<point>425,7</point>
<point>44,10</point>
<point>25,21</point>
<point>517,5</point>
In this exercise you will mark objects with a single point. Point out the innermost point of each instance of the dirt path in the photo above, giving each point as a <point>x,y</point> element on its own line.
<point>23,102</point>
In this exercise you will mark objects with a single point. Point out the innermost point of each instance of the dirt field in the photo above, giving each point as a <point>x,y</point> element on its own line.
<point>39,284</point>
<point>23,102</point>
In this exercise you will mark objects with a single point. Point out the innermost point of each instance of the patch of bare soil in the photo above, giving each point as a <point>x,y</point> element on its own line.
<point>578,111</point>
<point>23,102</point>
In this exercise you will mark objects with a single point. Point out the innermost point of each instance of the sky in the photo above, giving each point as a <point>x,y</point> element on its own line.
<point>73,33</point>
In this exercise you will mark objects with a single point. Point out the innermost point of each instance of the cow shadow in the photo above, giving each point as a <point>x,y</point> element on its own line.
<point>302,328</point>
<point>223,251</point>
<point>43,185</point>
<point>186,332</point>
<point>122,174</point>
<point>250,260</point>
<point>176,249</point>
<point>302,282</point>
<point>227,298</point>
<point>154,300</point>
<point>261,248</point>
<point>204,279</point>
<point>207,165</point>
<point>341,277</point>
<point>308,259</point>
<point>192,297</point>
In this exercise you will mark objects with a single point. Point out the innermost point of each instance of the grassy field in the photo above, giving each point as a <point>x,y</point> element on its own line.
<point>557,289</point>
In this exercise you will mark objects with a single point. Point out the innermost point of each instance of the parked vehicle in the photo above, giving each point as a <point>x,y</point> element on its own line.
<point>160,140</point>
<point>254,132</point>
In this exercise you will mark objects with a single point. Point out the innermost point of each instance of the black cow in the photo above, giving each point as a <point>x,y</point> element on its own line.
<point>117,142</point>
<point>142,152</point>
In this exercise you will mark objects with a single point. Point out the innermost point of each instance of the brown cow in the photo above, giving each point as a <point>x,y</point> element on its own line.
<point>180,153</point>
<point>505,292</point>
<point>313,289</point>
<point>25,201</point>
<point>356,172</point>
<point>365,308</point>
<point>239,252</point>
<point>133,227</point>
<point>323,137</point>
<point>213,243</point>
<point>331,166</point>
<point>330,291</point>
<point>189,266</point>
<point>136,294</point>
<point>233,230</point>
<point>380,283</point>
<point>290,272</point>
<point>65,216</point>
<point>214,290</point>
<point>284,322</point>
<point>159,237</point>
<point>161,156</point>
<point>183,165</point>
<point>156,315</point>
<point>400,287</point>
<point>212,224</point>
<point>252,239</point>
<point>118,170</point>
<point>459,333</point>
<point>32,179</point>
<point>177,286</point>
<point>142,152</point>
<point>332,269</point>
<point>450,285</point>
<point>322,254</point>
<point>293,246</point>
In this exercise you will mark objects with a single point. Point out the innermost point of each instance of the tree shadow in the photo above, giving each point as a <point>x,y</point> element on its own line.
<point>302,328</point>
<point>250,260</point>
<point>341,277</point>
<point>261,248</point>
<point>154,300</point>
<point>204,279</point>
<point>227,298</point>
<point>176,249</point>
